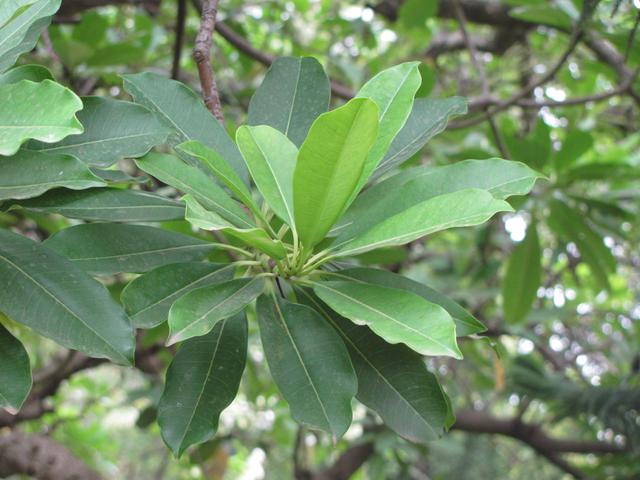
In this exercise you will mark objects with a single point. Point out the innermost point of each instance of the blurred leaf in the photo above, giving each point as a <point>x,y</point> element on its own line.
<point>15,370</point>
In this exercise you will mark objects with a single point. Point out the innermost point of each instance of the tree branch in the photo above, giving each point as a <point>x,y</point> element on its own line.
<point>179,38</point>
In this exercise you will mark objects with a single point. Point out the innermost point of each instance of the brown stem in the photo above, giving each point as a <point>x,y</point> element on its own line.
<point>179,38</point>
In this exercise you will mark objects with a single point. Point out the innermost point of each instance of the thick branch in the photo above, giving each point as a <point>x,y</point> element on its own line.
<point>202,56</point>
<point>179,38</point>
<point>347,464</point>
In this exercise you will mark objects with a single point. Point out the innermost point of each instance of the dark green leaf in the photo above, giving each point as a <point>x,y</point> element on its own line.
<point>15,370</point>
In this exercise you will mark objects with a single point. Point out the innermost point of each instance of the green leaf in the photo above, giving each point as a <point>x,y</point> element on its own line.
<point>575,144</point>
<point>396,315</point>
<point>108,248</point>
<point>113,130</point>
<point>20,29</point>
<point>15,371</point>
<point>29,174</point>
<point>107,204</point>
<point>458,209</point>
<point>34,73</point>
<point>271,158</point>
<point>571,226</point>
<point>293,93</point>
<point>197,312</point>
<point>330,162</point>
<point>392,380</point>
<point>502,178</point>
<point>466,324</point>
<point>309,364</point>
<point>543,14</point>
<point>428,117</point>
<point>200,217</point>
<point>148,298</point>
<point>173,171</point>
<point>23,116</point>
<point>12,8</point>
<point>523,277</point>
<point>222,170</point>
<point>181,108</point>
<point>44,291</point>
<point>393,91</point>
<point>202,381</point>
<point>414,13</point>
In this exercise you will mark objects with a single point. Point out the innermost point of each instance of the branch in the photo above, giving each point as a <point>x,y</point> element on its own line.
<point>347,464</point>
<point>179,38</point>
<point>40,457</point>
<point>202,56</point>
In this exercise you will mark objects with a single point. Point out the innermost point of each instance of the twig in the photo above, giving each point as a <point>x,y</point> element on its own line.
<point>202,56</point>
<point>179,38</point>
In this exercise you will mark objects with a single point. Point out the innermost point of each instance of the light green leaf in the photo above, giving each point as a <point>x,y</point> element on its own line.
<point>113,130</point>
<point>428,117</point>
<point>392,380</point>
<point>54,297</point>
<point>197,312</point>
<point>106,204</point>
<point>523,277</point>
<point>396,315</point>
<point>309,364</point>
<point>393,91</point>
<point>271,158</point>
<point>21,28</point>
<point>466,324</point>
<point>23,114</point>
<point>15,370</point>
<point>293,93</point>
<point>173,171</point>
<point>202,381</point>
<point>34,73</point>
<point>255,237</point>
<point>29,174</point>
<point>107,248</point>
<point>148,298</point>
<point>184,111</point>
<point>463,208</point>
<point>330,162</point>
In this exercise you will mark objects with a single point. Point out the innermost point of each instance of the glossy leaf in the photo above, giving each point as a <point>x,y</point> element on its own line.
<point>330,162</point>
<point>396,315</point>
<point>107,248</point>
<point>23,115</point>
<point>293,93</point>
<point>180,108</point>
<point>113,130</point>
<point>173,171</point>
<point>107,204</point>
<point>34,73</point>
<point>197,312</point>
<point>46,292</point>
<point>148,298</point>
<point>202,381</point>
<point>271,158</point>
<point>309,364</point>
<point>29,174</point>
<point>458,209</point>
<point>15,370</point>
<point>523,277</point>
<point>392,380</point>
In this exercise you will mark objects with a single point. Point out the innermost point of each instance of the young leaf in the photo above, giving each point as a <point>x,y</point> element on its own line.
<point>459,209</point>
<point>15,371</point>
<point>200,217</point>
<point>22,115</point>
<point>466,324</point>
<point>392,90</point>
<point>392,380</point>
<point>523,277</point>
<point>183,110</point>
<point>55,298</point>
<point>173,171</point>
<point>271,158</point>
<point>396,315</point>
<point>293,93</point>
<point>107,248</point>
<point>329,165</point>
<point>113,130</point>
<point>197,312</point>
<point>107,205</point>
<point>148,298</point>
<point>202,381</point>
<point>29,174</point>
<point>309,364</point>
